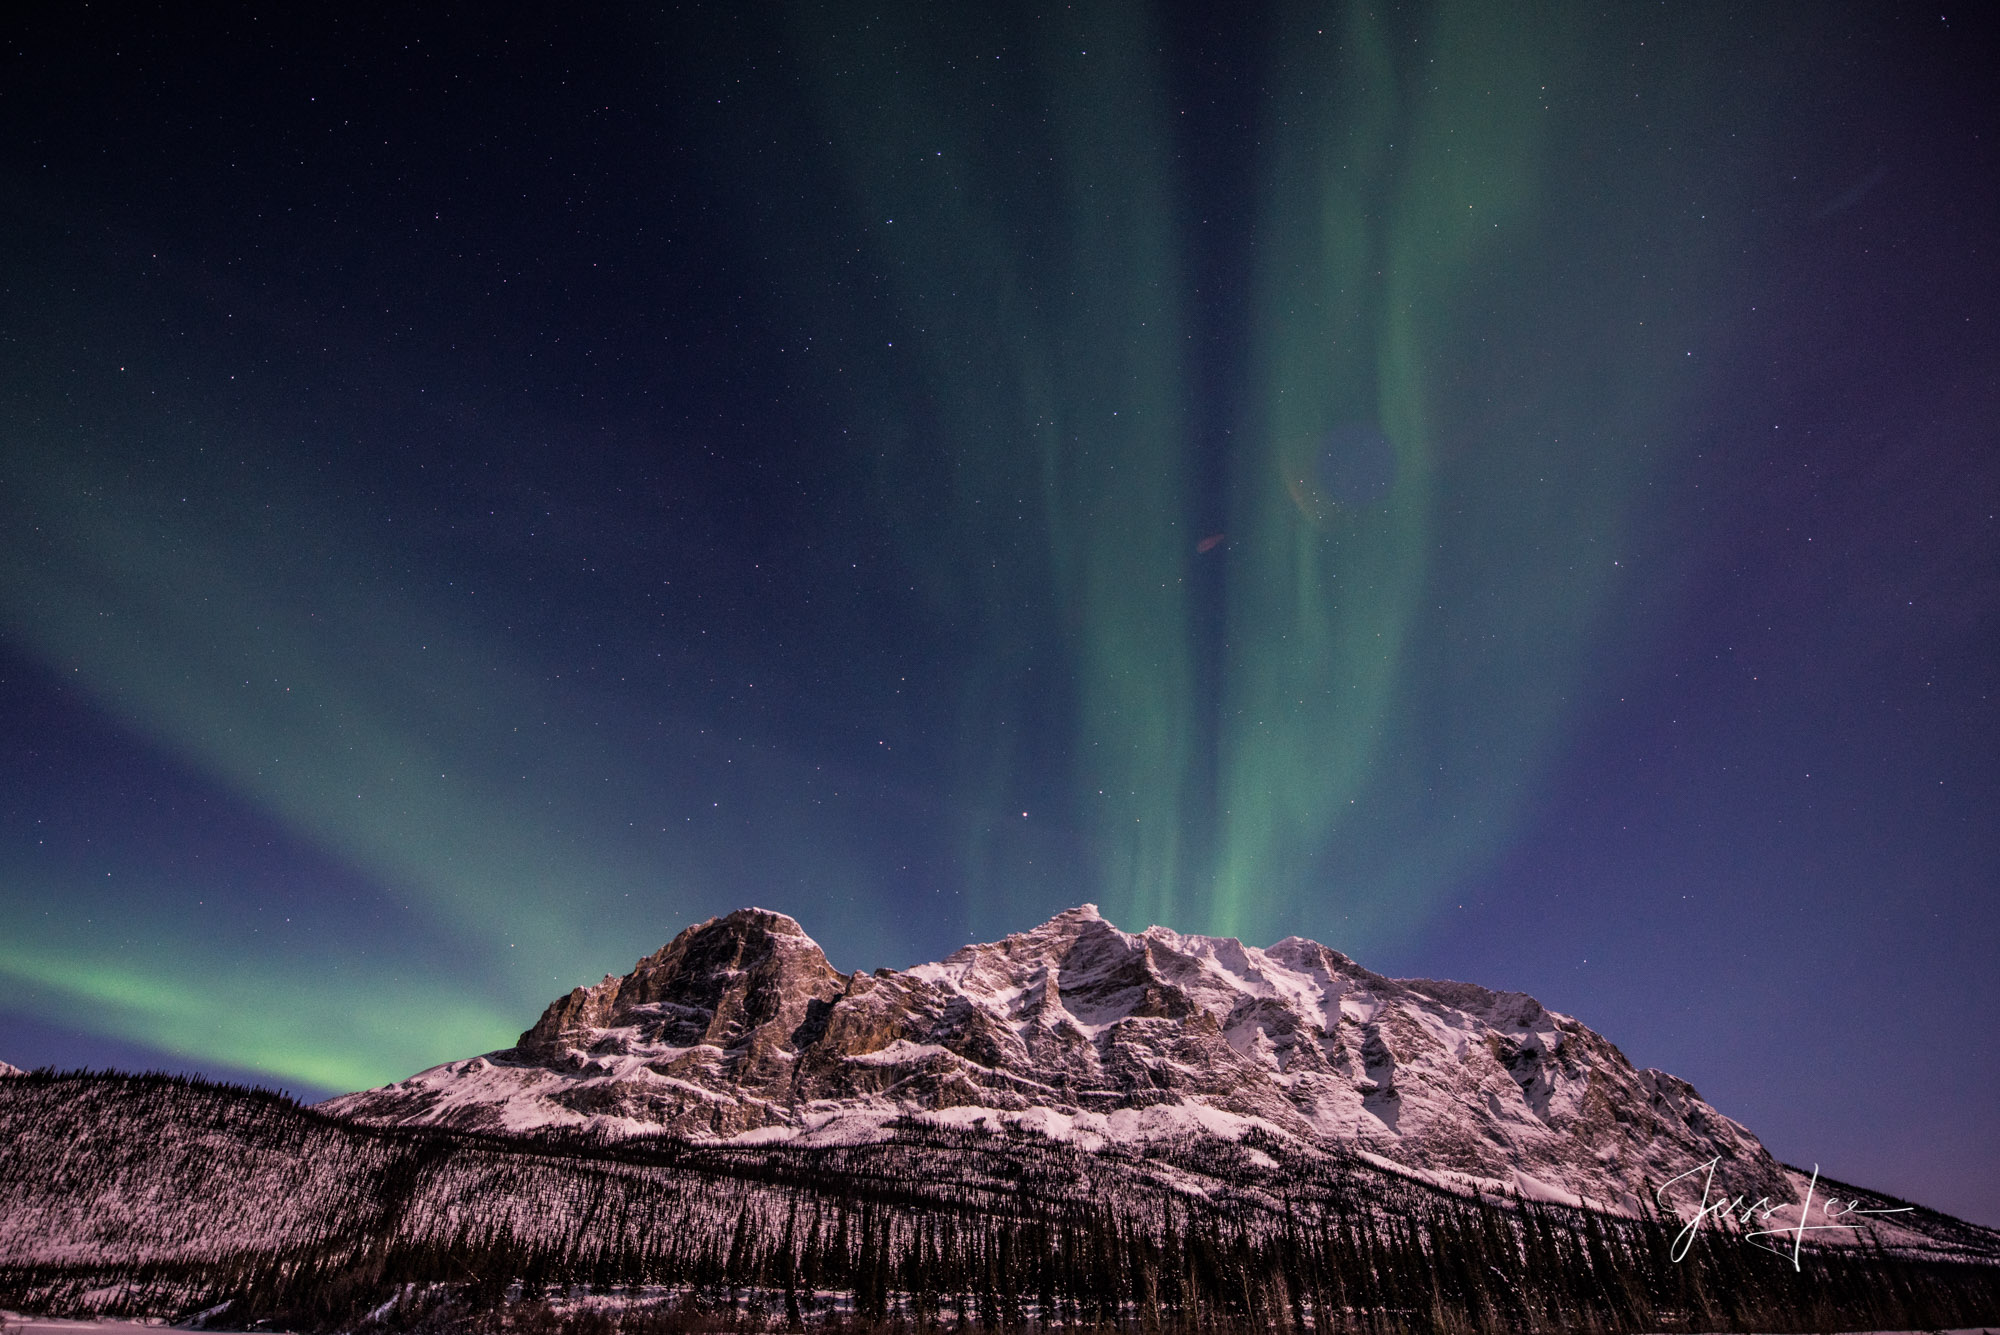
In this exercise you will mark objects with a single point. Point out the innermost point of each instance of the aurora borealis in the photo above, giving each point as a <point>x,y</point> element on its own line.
<point>1507,494</point>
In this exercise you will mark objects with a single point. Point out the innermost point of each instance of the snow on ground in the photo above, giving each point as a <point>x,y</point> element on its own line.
<point>15,1324</point>
<point>1131,1128</point>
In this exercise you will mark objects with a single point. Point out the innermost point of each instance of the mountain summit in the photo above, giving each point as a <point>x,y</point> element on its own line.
<point>739,1029</point>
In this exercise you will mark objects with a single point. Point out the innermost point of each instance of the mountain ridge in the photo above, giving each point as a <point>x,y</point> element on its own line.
<point>739,1029</point>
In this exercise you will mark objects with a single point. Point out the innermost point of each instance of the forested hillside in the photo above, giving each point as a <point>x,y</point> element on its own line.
<point>162,1196</point>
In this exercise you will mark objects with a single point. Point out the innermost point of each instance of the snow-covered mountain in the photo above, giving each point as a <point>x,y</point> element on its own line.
<point>740,1030</point>
<point>6,1070</point>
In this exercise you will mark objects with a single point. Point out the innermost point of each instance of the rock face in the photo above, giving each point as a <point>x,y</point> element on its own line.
<point>740,1028</point>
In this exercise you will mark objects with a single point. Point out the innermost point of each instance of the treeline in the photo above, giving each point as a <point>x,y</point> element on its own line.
<point>935,1229</point>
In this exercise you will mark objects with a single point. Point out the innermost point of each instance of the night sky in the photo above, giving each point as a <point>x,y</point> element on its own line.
<point>1510,493</point>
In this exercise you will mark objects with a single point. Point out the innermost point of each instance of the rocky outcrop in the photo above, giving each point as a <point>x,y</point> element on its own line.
<point>739,1026</point>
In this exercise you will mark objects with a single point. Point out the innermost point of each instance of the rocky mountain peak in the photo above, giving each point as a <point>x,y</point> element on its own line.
<point>720,984</point>
<point>740,1027</point>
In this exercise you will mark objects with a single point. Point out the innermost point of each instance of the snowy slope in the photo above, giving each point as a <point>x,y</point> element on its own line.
<point>740,1029</point>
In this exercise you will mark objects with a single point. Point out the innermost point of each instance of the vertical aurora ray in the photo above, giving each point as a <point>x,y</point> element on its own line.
<point>1117,485</point>
<point>1369,238</point>
<point>1390,662</point>
<point>1315,615</point>
<point>1039,472</point>
<point>1380,725</point>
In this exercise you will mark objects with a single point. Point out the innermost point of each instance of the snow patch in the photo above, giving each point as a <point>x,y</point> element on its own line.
<point>1531,1188</point>
<point>899,1052</point>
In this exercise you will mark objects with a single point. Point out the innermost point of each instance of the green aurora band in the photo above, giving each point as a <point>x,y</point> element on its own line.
<point>1045,317</point>
<point>1383,198</point>
<point>1364,719</point>
<point>1319,727</point>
